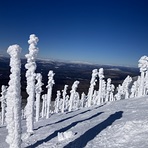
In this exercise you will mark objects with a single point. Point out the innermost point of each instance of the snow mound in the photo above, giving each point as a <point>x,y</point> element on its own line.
<point>65,135</point>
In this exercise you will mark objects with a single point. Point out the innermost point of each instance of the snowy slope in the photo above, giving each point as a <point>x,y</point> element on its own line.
<point>120,124</point>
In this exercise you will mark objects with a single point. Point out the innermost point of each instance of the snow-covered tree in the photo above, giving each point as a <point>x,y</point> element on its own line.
<point>143,65</point>
<point>91,88</point>
<point>126,87</point>
<point>95,97</point>
<point>76,101</point>
<point>30,76</point>
<point>64,98</point>
<point>72,94</point>
<point>101,76</point>
<point>66,102</point>
<point>57,102</point>
<point>3,103</point>
<point>83,100</point>
<point>44,105</point>
<point>119,93</point>
<point>108,90</point>
<point>13,111</point>
<point>103,93</point>
<point>49,91</point>
<point>134,88</point>
<point>112,93</point>
<point>38,90</point>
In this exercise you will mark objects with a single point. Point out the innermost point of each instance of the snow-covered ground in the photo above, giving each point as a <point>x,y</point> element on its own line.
<point>120,124</point>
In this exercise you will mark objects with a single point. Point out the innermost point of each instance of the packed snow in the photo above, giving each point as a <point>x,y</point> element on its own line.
<point>118,124</point>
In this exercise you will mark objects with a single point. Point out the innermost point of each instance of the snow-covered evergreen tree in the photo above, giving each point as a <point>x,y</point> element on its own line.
<point>91,88</point>
<point>49,91</point>
<point>44,105</point>
<point>72,95</point>
<point>108,90</point>
<point>64,98</point>
<point>83,100</point>
<point>38,90</point>
<point>30,76</point>
<point>99,96</point>
<point>119,93</point>
<point>76,101</point>
<point>95,97</point>
<point>13,111</point>
<point>112,98</point>
<point>3,103</point>
<point>57,102</point>
<point>134,88</point>
<point>66,102</point>
<point>103,93</point>
<point>143,65</point>
<point>126,87</point>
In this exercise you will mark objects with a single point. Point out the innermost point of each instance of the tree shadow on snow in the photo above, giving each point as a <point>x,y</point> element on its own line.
<point>61,130</point>
<point>62,120</point>
<point>82,141</point>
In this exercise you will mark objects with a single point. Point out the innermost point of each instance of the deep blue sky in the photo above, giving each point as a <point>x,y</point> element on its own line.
<point>98,31</point>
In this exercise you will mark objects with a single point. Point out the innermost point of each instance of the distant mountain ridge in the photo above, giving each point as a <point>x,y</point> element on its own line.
<point>67,73</point>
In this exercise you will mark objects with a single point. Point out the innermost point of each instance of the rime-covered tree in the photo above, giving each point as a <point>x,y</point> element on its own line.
<point>95,97</point>
<point>103,93</point>
<point>38,90</point>
<point>64,98</point>
<point>108,90</point>
<point>91,88</point>
<point>101,76</point>
<point>134,88</point>
<point>49,91</point>
<point>57,102</point>
<point>44,105</point>
<point>119,93</point>
<point>83,100</point>
<point>76,101</point>
<point>13,111</point>
<point>112,93</point>
<point>126,87</point>
<point>143,65</point>
<point>72,94</point>
<point>30,76</point>
<point>3,103</point>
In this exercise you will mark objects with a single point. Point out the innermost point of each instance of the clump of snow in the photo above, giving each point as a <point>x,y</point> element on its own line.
<point>65,135</point>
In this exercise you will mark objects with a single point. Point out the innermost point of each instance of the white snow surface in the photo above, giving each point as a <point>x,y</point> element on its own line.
<point>119,124</point>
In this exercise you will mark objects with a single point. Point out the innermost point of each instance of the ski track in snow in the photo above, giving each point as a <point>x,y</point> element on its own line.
<point>120,124</point>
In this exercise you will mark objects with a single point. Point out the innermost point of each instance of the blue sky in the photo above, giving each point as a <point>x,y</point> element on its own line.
<point>98,31</point>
